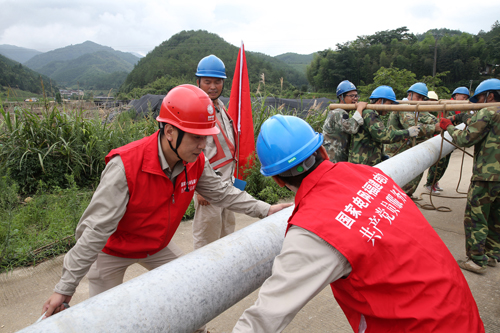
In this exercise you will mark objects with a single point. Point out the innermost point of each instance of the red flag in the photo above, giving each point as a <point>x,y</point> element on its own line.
<point>240,110</point>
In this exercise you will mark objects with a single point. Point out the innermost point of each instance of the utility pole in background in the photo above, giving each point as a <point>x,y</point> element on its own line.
<point>436,38</point>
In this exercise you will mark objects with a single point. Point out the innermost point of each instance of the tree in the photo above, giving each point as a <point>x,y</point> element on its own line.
<point>434,84</point>
<point>399,79</point>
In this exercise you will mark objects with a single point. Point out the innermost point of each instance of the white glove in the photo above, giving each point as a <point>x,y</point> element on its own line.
<point>358,118</point>
<point>413,131</point>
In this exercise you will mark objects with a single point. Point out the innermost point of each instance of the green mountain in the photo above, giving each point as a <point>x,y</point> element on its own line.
<point>16,53</point>
<point>88,70</point>
<point>87,65</point>
<point>297,61</point>
<point>75,51</point>
<point>15,75</point>
<point>175,61</point>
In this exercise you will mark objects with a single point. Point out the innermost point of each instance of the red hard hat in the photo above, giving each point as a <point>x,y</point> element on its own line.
<point>189,108</point>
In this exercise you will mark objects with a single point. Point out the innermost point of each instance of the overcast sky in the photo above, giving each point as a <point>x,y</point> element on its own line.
<point>269,27</point>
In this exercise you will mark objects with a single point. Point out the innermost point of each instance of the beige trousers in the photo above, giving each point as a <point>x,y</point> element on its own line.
<point>108,271</point>
<point>211,223</point>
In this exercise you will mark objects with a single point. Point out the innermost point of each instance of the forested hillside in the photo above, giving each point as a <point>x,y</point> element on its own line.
<point>297,61</point>
<point>462,56</point>
<point>15,75</point>
<point>85,66</point>
<point>16,53</point>
<point>75,51</point>
<point>174,62</point>
<point>89,70</point>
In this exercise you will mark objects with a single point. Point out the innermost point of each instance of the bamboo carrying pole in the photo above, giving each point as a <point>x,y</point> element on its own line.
<point>418,107</point>
<point>441,101</point>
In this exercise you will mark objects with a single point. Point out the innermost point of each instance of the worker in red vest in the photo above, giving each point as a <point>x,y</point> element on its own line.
<point>211,222</point>
<point>144,191</point>
<point>355,229</point>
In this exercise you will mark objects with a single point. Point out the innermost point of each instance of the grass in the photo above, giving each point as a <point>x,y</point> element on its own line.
<point>38,227</point>
<point>17,95</point>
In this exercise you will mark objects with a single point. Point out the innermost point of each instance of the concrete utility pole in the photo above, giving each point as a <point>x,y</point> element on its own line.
<point>435,57</point>
<point>436,38</point>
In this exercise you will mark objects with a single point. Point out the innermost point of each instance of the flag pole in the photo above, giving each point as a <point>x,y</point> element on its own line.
<point>239,114</point>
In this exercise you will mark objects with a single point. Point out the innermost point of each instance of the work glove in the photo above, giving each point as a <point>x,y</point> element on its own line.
<point>413,131</point>
<point>358,118</point>
<point>444,123</point>
<point>460,118</point>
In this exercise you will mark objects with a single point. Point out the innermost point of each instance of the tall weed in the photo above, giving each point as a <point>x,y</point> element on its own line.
<point>63,142</point>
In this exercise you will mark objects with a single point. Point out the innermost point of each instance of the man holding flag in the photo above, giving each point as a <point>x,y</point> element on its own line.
<point>211,223</point>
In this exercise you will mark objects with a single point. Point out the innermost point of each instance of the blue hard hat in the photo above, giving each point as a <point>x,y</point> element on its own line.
<point>385,92</point>
<point>486,85</point>
<point>461,90</point>
<point>211,66</point>
<point>285,142</point>
<point>419,88</point>
<point>344,87</point>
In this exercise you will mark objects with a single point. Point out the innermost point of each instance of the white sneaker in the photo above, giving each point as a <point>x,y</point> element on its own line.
<point>437,187</point>
<point>430,189</point>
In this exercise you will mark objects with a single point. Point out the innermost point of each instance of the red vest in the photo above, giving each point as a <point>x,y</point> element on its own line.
<point>225,148</point>
<point>440,113</point>
<point>155,207</point>
<point>403,279</point>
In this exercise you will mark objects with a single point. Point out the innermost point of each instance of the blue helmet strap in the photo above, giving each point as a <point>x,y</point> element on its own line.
<point>300,168</point>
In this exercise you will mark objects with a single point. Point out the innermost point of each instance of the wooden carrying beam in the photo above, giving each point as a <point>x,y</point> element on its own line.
<point>417,107</point>
<point>441,101</point>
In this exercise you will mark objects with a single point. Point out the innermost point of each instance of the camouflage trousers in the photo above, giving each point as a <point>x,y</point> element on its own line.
<point>411,187</point>
<point>437,170</point>
<point>482,222</point>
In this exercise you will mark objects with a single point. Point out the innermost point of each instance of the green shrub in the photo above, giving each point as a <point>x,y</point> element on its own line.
<point>264,188</point>
<point>189,212</point>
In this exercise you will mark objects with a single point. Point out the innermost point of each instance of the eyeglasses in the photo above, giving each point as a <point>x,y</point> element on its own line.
<point>352,96</point>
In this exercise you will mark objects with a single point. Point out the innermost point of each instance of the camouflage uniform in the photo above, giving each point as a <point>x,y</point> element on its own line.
<point>367,144</point>
<point>482,213</point>
<point>437,170</point>
<point>404,120</point>
<point>336,130</point>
